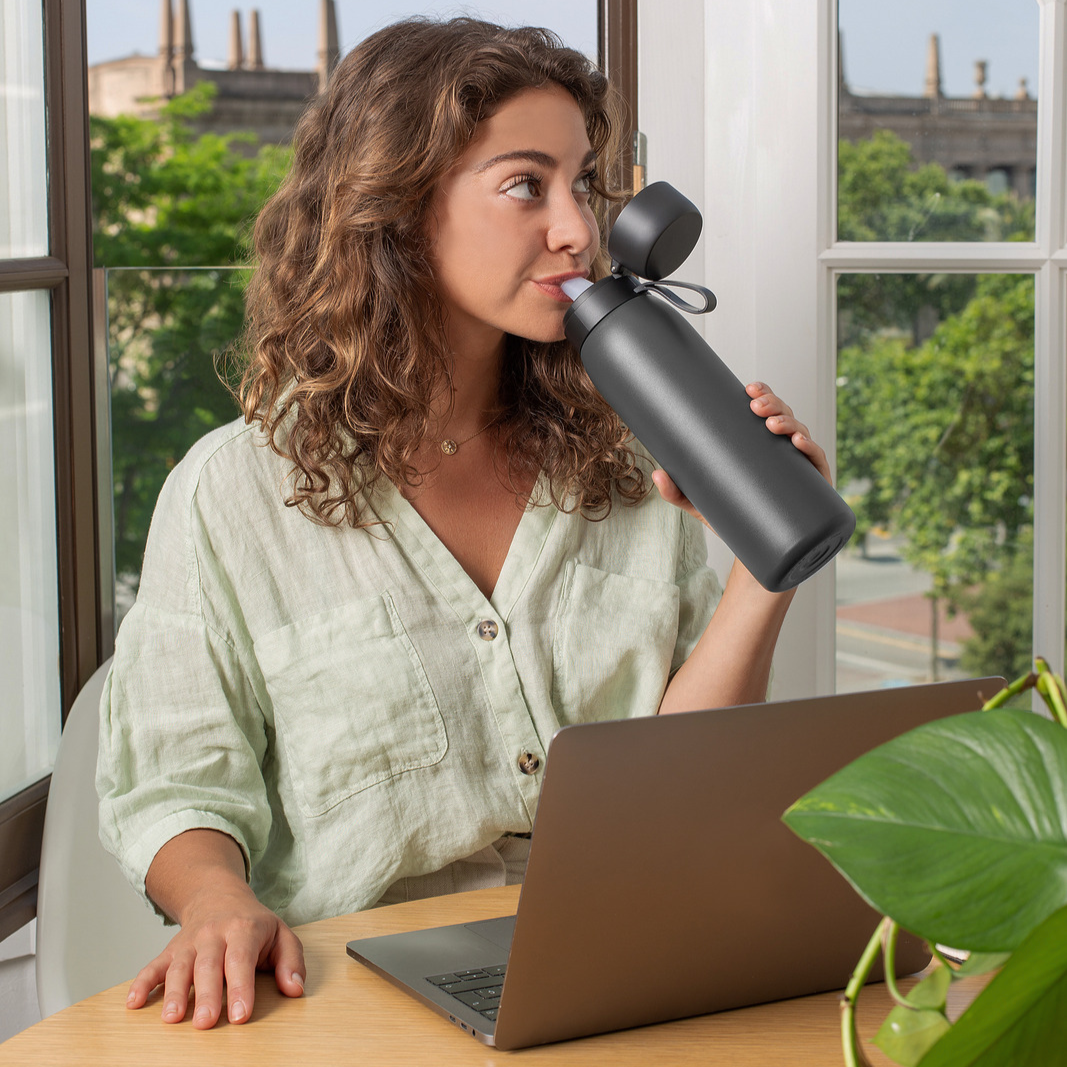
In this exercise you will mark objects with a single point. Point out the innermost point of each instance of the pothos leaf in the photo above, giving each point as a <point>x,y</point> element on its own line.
<point>1021,1016</point>
<point>957,829</point>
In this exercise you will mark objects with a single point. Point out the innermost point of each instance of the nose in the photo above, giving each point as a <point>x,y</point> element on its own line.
<point>572,226</point>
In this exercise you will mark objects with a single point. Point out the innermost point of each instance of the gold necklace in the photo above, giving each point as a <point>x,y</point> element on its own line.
<point>450,447</point>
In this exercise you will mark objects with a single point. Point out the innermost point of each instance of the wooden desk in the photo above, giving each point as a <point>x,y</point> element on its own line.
<point>350,1015</point>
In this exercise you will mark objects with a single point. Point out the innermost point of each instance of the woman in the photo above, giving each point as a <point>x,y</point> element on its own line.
<point>366,607</point>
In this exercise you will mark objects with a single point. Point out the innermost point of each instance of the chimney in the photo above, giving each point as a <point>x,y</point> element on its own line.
<point>933,68</point>
<point>236,57</point>
<point>255,44</point>
<point>329,50</point>
<point>166,32</point>
<point>183,33</point>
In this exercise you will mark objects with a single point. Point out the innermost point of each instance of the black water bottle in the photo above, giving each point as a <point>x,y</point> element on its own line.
<point>773,509</point>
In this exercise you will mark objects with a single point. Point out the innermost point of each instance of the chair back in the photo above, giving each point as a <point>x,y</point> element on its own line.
<point>93,929</point>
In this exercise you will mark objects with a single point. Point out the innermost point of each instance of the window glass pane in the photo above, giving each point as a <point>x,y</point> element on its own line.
<point>166,329</point>
<point>935,448</point>
<point>23,178</point>
<point>575,23</point>
<point>937,120</point>
<point>120,31</point>
<point>30,711</point>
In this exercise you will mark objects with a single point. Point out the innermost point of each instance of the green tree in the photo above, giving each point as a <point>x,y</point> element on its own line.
<point>178,207</point>
<point>937,440</point>
<point>1000,612</point>
<point>884,196</point>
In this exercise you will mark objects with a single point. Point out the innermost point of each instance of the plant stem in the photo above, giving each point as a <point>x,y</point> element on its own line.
<point>854,1055</point>
<point>1050,686</point>
<point>1027,681</point>
<point>889,956</point>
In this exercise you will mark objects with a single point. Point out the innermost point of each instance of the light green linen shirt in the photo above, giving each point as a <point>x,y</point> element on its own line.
<point>346,704</point>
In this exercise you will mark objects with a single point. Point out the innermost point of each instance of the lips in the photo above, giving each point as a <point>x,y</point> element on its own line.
<point>550,286</point>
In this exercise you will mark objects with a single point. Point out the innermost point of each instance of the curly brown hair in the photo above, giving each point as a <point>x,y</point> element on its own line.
<point>345,337</point>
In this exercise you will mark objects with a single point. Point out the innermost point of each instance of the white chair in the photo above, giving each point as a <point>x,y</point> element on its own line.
<point>93,930</point>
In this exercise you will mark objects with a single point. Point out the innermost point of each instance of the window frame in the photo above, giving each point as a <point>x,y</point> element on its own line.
<point>740,113</point>
<point>1045,258</point>
<point>65,273</point>
<point>80,403</point>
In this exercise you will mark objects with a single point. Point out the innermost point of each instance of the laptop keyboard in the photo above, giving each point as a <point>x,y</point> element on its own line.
<point>479,989</point>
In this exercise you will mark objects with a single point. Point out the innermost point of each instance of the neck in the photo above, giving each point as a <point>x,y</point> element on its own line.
<point>476,388</point>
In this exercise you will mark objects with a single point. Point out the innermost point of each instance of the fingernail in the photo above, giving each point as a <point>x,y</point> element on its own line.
<point>237,1011</point>
<point>170,1010</point>
<point>203,1014</point>
<point>298,979</point>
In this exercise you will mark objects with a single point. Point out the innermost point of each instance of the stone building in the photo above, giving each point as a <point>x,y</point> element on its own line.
<point>992,140</point>
<point>249,94</point>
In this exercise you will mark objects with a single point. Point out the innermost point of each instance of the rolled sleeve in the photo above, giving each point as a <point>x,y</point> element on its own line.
<point>181,742</point>
<point>699,589</point>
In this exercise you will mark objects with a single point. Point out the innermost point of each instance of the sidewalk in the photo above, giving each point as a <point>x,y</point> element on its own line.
<point>909,614</point>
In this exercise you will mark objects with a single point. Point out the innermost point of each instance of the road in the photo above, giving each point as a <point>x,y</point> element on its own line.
<point>884,623</point>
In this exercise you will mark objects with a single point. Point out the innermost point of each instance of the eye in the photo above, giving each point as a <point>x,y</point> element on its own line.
<point>584,184</point>
<point>523,187</point>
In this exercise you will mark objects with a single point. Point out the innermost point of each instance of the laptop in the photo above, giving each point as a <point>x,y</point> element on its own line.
<point>661,881</point>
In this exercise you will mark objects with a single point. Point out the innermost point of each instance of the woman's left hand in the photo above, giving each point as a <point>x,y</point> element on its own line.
<point>780,420</point>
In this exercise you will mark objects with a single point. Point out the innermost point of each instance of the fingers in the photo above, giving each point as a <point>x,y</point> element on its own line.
<point>242,952</point>
<point>176,988</point>
<point>781,420</point>
<point>207,981</point>
<point>218,960</point>
<point>148,978</point>
<point>288,958</point>
<point>673,495</point>
<point>778,414</point>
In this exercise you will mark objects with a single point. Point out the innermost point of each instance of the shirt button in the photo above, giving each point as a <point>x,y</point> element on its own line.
<point>487,630</point>
<point>529,763</point>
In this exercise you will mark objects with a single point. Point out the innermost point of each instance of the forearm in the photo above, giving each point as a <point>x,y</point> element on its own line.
<point>191,862</point>
<point>731,662</point>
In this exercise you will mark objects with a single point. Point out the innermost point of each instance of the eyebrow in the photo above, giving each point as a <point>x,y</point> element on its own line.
<point>532,155</point>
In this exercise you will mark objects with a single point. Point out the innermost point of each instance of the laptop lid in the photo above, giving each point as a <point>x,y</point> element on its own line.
<point>661,881</point>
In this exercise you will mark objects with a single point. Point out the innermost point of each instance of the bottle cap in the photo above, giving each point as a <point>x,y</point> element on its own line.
<point>655,232</point>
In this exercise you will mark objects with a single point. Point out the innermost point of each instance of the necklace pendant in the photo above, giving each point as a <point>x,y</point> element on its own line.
<point>449,447</point>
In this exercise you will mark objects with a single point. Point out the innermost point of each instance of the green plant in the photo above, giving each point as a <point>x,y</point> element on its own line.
<point>957,831</point>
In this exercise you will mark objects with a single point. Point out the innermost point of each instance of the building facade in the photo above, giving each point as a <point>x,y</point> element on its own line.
<point>989,139</point>
<point>249,95</point>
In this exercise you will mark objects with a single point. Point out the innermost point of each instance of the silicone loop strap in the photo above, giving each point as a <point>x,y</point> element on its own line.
<point>692,309</point>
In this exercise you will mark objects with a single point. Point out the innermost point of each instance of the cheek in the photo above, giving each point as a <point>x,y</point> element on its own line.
<point>594,228</point>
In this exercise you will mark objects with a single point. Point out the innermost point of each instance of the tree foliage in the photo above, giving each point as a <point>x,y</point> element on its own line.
<point>884,196</point>
<point>935,392</point>
<point>940,436</point>
<point>177,207</point>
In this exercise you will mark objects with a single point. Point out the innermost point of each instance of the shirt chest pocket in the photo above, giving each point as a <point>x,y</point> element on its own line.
<point>613,645</point>
<point>352,703</point>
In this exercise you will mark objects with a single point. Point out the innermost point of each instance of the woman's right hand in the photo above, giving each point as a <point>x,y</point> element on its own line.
<point>226,936</point>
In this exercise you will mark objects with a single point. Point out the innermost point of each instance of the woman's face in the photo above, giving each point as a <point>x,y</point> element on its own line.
<point>512,220</point>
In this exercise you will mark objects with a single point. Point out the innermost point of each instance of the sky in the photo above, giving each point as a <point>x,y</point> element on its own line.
<point>884,41</point>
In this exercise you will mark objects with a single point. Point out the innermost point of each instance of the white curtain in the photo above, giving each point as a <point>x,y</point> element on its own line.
<point>23,166</point>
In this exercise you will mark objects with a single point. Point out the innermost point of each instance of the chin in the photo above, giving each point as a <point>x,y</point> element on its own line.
<point>543,332</point>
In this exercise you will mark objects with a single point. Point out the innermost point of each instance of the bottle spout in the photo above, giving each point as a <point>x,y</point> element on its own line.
<point>574,287</point>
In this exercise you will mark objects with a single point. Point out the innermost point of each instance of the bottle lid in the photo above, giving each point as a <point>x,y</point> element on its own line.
<point>655,232</point>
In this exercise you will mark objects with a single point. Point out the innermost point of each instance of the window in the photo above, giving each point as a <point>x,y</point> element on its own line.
<point>741,112</point>
<point>49,604</point>
<point>161,325</point>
